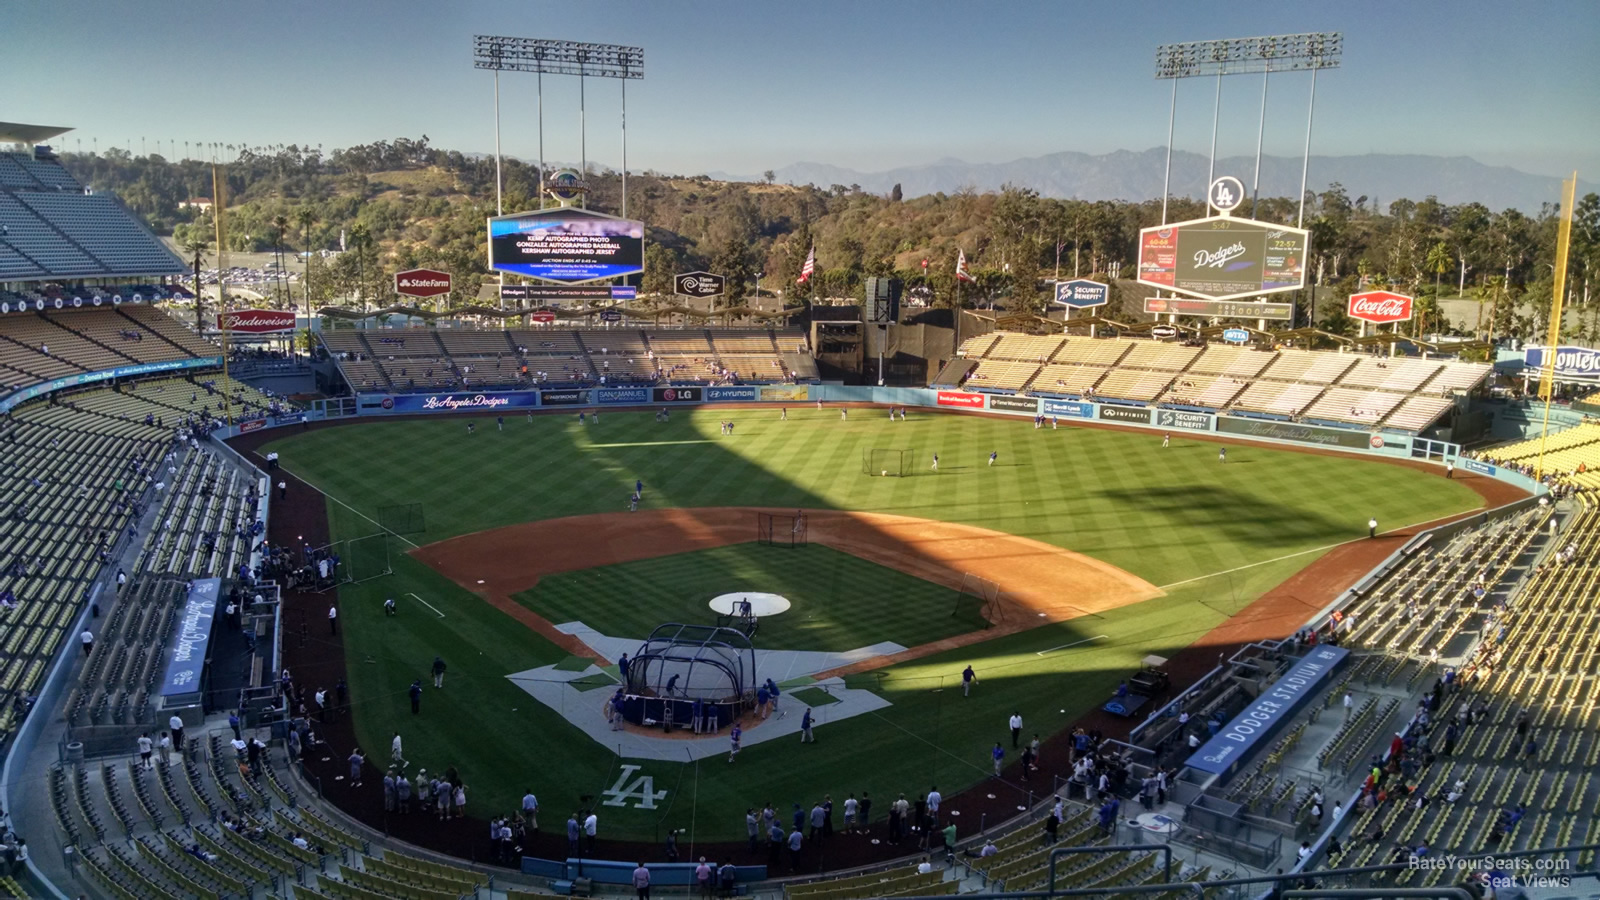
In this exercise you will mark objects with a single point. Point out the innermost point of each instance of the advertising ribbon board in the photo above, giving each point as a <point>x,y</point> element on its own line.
<point>677,395</point>
<point>1299,434</point>
<point>563,398</point>
<point>1013,403</point>
<point>622,395</point>
<point>1272,708</point>
<point>1475,466</point>
<point>186,655</point>
<point>1220,309</point>
<point>1177,418</point>
<point>1075,408</point>
<point>715,394</point>
<point>48,387</point>
<point>1125,414</point>
<point>1578,363</point>
<point>959,400</point>
<point>784,392</point>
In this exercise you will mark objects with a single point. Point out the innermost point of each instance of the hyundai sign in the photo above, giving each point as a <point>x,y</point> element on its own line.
<point>1580,363</point>
<point>1081,293</point>
<point>567,245</point>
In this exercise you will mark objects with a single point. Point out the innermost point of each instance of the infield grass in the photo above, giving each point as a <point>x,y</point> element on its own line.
<point>1167,515</point>
<point>840,602</point>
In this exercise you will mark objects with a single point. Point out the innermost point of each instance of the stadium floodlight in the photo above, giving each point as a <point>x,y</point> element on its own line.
<point>499,53</point>
<point>1311,51</point>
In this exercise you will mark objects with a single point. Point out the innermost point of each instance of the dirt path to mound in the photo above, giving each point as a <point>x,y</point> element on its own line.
<point>1036,577</point>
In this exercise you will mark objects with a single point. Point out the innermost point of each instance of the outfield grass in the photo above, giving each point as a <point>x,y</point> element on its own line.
<point>841,602</point>
<point>1167,515</point>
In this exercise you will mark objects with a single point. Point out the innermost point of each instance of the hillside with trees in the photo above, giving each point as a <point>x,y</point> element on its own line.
<point>405,203</point>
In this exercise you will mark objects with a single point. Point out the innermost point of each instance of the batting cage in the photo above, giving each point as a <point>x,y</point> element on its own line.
<point>781,529</point>
<point>877,461</point>
<point>690,676</point>
<point>982,593</point>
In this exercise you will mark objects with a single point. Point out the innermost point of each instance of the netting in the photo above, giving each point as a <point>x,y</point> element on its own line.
<point>884,462</point>
<point>781,530</point>
<point>403,518</point>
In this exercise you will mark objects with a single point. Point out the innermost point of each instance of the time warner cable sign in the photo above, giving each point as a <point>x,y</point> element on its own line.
<point>1277,703</point>
<point>566,245</point>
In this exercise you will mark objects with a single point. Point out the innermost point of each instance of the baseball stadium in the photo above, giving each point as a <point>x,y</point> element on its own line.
<point>527,595</point>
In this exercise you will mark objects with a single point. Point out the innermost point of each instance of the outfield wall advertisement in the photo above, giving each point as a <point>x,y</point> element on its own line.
<point>1138,414</point>
<point>1075,409</point>
<point>1299,434</point>
<point>1013,403</point>
<point>463,402</point>
<point>1179,418</point>
<point>959,400</point>
<point>622,395</point>
<point>780,393</point>
<point>745,393</point>
<point>677,395</point>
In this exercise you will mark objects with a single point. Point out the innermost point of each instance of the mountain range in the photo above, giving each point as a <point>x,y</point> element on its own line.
<point>1137,176</point>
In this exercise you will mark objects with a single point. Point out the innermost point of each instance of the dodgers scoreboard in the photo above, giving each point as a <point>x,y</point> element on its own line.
<point>566,245</point>
<point>1222,258</point>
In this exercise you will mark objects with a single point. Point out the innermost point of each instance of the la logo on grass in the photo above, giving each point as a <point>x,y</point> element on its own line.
<point>642,789</point>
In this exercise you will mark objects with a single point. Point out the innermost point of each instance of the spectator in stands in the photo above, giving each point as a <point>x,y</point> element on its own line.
<point>88,641</point>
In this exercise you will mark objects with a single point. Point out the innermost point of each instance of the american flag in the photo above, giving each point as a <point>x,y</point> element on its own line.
<point>961,266</point>
<point>809,267</point>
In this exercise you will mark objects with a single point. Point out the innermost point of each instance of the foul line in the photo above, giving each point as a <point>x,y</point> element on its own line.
<point>1312,550</point>
<point>1073,644</point>
<point>358,512</point>
<point>426,603</point>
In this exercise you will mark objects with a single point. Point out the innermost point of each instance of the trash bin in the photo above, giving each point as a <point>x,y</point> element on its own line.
<point>75,751</point>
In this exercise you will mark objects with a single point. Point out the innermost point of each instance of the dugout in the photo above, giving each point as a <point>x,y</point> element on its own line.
<point>678,665</point>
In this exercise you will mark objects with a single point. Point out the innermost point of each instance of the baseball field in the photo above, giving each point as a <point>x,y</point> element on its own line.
<point>1108,547</point>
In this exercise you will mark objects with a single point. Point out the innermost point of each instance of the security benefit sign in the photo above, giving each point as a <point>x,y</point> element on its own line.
<point>1178,418</point>
<point>1276,705</point>
<point>1081,293</point>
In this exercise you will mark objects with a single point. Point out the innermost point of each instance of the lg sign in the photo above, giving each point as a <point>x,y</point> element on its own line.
<point>1380,307</point>
<point>422,283</point>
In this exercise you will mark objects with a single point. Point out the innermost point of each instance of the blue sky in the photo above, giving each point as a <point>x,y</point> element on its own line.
<point>870,84</point>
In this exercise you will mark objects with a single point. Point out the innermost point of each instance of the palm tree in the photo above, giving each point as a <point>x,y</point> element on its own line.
<point>305,217</point>
<point>1439,261</point>
<point>361,242</point>
<point>280,225</point>
<point>195,248</point>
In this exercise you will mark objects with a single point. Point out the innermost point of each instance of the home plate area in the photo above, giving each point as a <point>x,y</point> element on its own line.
<point>578,690</point>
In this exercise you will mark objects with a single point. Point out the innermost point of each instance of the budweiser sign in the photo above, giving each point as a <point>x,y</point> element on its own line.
<point>256,321</point>
<point>422,283</point>
<point>1379,307</point>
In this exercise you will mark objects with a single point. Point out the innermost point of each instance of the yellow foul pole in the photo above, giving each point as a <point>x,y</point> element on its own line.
<point>1547,381</point>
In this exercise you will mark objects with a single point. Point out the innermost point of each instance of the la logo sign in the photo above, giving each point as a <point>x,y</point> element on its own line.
<point>1380,307</point>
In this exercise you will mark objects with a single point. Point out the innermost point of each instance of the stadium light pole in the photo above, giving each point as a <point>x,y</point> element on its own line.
<point>539,56</point>
<point>1239,56</point>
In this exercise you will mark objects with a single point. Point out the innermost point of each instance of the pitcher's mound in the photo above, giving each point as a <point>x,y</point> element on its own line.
<point>761,605</point>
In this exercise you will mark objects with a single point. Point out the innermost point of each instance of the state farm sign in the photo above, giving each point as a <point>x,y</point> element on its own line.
<point>256,321</point>
<point>422,283</point>
<point>1379,307</point>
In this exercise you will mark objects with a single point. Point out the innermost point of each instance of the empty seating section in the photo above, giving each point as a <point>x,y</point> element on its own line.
<point>1417,413</point>
<point>463,344</point>
<point>49,173</point>
<point>31,237</point>
<point>98,223</point>
<point>115,684</point>
<point>975,347</point>
<point>1238,362</point>
<point>1277,398</point>
<point>1459,377</point>
<point>1165,357</point>
<point>122,335</point>
<point>1361,407</point>
<point>744,343</point>
<point>170,329</point>
<point>1024,347</point>
<point>1215,392</point>
<point>203,524</point>
<point>681,343</point>
<point>1093,351</point>
<point>993,374</point>
<point>1133,384</point>
<point>13,175</point>
<point>1397,374</point>
<point>1306,366</point>
<point>40,333</point>
<point>1059,379</point>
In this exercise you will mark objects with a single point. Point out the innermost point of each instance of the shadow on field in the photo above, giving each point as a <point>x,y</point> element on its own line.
<point>1240,517</point>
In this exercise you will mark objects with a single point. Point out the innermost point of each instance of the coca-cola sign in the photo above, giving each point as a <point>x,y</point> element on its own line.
<point>1380,307</point>
<point>256,321</point>
<point>422,283</point>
